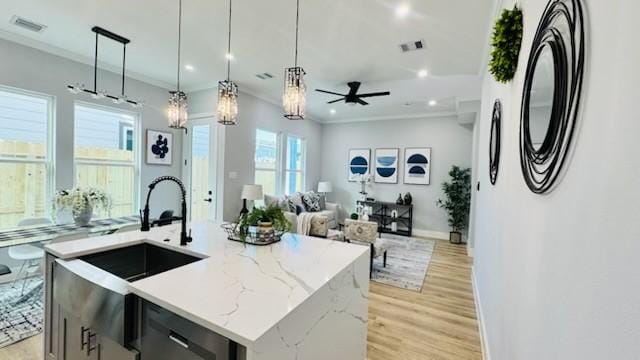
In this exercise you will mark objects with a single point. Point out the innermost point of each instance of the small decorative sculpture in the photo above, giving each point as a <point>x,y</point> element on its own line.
<point>408,198</point>
<point>399,201</point>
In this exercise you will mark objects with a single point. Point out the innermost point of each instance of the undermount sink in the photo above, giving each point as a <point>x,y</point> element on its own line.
<point>138,261</point>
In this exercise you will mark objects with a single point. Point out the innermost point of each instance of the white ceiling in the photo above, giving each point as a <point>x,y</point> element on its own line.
<point>340,41</point>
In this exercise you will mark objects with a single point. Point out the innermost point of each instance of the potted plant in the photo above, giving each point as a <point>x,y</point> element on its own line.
<point>457,201</point>
<point>267,220</point>
<point>82,202</point>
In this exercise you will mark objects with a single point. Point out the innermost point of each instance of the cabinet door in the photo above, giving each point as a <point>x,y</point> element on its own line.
<point>110,350</point>
<point>73,337</point>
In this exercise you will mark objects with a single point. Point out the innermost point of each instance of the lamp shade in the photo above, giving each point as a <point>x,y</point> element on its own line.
<point>252,192</point>
<point>325,187</point>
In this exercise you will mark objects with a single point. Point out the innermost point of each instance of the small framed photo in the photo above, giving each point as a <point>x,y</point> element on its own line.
<point>159,147</point>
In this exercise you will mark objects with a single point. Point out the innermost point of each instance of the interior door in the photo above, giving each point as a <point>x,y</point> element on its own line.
<point>201,167</point>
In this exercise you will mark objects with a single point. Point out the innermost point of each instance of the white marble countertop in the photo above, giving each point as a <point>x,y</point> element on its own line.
<point>237,291</point>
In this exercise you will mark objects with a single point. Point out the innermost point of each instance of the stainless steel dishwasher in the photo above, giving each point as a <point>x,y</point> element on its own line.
<point>167,336</point>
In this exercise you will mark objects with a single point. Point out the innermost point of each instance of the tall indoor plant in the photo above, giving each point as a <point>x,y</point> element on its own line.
<point>457,201</point>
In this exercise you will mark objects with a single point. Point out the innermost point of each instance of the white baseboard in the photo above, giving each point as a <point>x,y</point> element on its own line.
<point>486,355</point>
<point>439,235</point>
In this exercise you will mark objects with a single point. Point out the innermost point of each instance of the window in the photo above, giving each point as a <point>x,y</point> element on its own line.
<point>106,154</point>
<point>294,171</point>
<point>278,171</point>
<point>25,156</point>
<point>266,160</point>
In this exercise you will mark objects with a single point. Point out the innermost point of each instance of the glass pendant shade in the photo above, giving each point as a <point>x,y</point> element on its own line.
<point>294,97</point>
<point>177,111</point>
<point>227,109</point>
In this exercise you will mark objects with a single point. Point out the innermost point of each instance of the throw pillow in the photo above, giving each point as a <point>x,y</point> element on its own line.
<point>294,201</point>
<point>311,201</point>
<point>299,209</point>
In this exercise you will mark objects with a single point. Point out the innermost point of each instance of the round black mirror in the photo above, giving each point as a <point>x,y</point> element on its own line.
<point>494,142</point>
<point>551,94</point>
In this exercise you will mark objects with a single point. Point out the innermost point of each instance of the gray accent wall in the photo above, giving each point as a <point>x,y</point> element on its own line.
<point>255,113</point>
<point>450,144</point>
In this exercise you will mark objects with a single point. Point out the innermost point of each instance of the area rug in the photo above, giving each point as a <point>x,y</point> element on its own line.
<point>21,316</point>
<point>407,262</point>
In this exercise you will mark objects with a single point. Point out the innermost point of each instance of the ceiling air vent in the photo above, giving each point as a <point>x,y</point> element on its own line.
<point>27,24</point>
<point>264,76</point>
<point>412,46</point>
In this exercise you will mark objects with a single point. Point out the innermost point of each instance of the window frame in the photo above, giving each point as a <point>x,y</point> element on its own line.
<point>281,168</point>
<point>50,160</point>
<point>137,147</point>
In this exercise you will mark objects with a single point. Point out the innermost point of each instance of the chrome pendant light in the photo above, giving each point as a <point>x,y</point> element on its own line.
<point>227,109</point>
<point>294,97</point>
<point>177,110</point>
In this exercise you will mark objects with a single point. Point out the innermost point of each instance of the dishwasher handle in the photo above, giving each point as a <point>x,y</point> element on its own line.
<point>178,339</point>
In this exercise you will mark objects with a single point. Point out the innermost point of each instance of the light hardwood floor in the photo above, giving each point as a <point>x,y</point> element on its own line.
<point>437,323</point>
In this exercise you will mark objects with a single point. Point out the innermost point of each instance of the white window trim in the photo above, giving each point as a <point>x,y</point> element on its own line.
<point>137,148</point>
<point>50,159</point>
<point>281,169</point>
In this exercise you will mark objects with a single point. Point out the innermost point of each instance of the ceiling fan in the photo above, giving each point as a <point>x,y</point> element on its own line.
<point>353,97</point>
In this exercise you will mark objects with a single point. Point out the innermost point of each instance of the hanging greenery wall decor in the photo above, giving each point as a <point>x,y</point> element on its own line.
<point>505,42</point>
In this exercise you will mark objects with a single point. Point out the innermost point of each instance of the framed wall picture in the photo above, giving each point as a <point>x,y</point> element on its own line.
<point>386,164</point>
<point>159,147</point>
<point>359,163</point>
<point>417,166</point>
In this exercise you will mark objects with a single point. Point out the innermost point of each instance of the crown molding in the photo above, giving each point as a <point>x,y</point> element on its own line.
<point>393,117</point>
<point>69,55</point>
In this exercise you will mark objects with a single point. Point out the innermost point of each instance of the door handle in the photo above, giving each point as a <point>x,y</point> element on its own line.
<point>208,200</point>
<point>89,347</point>
<point>178,339</point>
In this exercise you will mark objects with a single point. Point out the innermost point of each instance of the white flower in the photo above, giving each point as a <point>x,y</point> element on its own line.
<point>79,199</point>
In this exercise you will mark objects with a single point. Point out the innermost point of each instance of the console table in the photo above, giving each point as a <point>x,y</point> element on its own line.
<point>381,213</point>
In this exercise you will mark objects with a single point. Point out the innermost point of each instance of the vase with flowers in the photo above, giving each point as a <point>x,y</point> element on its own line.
<point>82,202</point>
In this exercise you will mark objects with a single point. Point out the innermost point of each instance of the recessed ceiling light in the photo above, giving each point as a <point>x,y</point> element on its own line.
<point>423,73</point>
<point>189,67</point>
<point>229,56</point>
<point>433,103</point>
<point>402,10</point>
<point>332,111</point>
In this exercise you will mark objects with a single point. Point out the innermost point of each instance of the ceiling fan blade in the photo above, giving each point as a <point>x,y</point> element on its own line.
<point>362,102</point>
<point>329,92</point>
<point>384,93</point>
<point>335,101</point>
<point>353,86</point>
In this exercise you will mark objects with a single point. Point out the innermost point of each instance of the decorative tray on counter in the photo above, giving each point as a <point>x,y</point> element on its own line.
<point>253,235</point>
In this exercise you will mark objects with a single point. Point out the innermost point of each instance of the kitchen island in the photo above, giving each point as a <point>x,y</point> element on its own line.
<point>301,298</point>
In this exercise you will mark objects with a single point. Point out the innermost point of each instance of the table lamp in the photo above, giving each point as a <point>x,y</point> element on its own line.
<point>325,187</point>
<point>250,192</point>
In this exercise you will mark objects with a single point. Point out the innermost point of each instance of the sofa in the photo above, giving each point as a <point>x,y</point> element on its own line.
<point>294,204</point>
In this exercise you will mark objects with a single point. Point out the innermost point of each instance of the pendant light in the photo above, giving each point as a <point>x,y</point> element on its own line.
<point>177,111</point>
<point>294,97</point>
<point>227,90</point>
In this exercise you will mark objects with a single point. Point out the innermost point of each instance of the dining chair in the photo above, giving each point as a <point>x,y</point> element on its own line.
<point>366,233</point>
<point>29,255</point>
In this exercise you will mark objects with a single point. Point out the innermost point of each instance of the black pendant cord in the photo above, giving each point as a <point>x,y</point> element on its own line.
<point>124,62</point>
<point>95,68</point>
<point>229,44</point>
<point>297,22</point>
<point>179,41</point>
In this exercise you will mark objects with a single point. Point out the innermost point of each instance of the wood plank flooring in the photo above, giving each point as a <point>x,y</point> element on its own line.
<point>437,323</point>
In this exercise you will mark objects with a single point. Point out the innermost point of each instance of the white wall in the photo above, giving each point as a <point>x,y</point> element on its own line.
<point>450,145</point>
<point>240,142</point>
<point>557,275</point>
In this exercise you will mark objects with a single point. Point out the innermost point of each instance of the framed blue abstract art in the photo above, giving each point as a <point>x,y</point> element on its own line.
<point>417,166</point>
<point>359,161</point>
<point>158,147</point>
<point>386,166</point>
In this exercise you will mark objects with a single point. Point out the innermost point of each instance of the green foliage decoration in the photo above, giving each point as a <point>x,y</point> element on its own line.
<point>457,200</point>
<point>272,213</point>
<point>505,42</point>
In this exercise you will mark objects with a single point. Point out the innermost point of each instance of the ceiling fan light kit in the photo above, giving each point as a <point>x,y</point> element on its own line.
<point>177,111</point>
<point>227,108</point>
<point>294,97</point>
<point>102,94</point>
